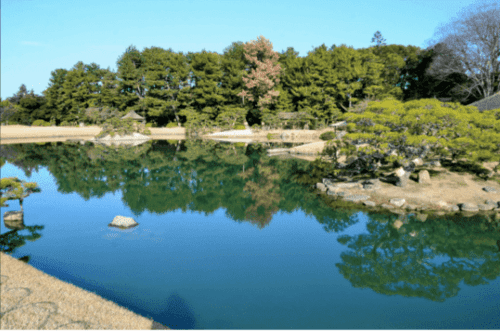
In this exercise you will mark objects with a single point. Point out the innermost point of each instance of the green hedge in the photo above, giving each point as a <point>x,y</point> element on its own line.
<point>327,135</point>
<point>239,127</point>
<point>40,123</point>
<point>172,125</point>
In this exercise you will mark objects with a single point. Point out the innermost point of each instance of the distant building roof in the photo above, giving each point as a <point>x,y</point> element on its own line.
<point>489,103</point>
<point>132,114</point>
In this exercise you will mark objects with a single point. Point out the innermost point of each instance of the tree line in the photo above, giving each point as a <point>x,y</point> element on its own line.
<point>250,81</point>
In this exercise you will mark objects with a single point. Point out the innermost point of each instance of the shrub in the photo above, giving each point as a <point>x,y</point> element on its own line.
<point>172,125</point>
<point>39,123</point>
<point>65,123</point>
<point>327,135</point>
<point>239,127</point>
<point>146,131</point>
<point>149,125</point>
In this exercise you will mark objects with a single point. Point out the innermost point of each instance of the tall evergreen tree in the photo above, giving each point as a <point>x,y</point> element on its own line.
<point>132,80</point>
<point>207,76</point>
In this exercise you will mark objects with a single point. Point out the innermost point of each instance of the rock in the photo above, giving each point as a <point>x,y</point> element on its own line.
<point>411,207</point>
<point>321,187</point>
<point>403,180</point>
<point>400,172</point>
<point>348,185</point>
<point>13,216</point>
<point>13,220</point>
<point>123,222</point>
<point>424,177</point>
<point>398,212</point>
<point>418,162</point>
<point>386,206</point>
<point>397,224</point>
<point>333,189</point>
<point>432,164</point>
<point>494,203</point>
<point>371,184</point>
<point>397,202</point>
<point>369,203</point>
<point>489,189</point>
<point>454,208</point>
<point>440,213</point>
<point>421,217</point>
<point>327,181</point>
<point>485,207</point>
<point>469,207</point>
<point>356,197</point>
<point>442,204</point>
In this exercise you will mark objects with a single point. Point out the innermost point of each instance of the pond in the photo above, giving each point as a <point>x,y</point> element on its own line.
<point>229,239</point>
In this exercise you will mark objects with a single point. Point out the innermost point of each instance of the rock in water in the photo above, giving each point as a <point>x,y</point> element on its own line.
<point>123,222</point>
<point>13,216</point>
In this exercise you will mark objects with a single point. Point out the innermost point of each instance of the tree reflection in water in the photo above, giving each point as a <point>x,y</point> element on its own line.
<point>427,260</point>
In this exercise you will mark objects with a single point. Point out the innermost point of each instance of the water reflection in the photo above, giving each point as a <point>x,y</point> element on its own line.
<point>417,257</point>
<point>426,260</point>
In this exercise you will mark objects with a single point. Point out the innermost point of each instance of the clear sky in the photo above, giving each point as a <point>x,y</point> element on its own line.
<point>39,36</point>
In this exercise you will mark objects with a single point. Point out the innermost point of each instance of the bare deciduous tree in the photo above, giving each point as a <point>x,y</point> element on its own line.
<point>471,45</point>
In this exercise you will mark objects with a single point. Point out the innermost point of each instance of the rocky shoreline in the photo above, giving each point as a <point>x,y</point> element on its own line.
<point>366,192</point>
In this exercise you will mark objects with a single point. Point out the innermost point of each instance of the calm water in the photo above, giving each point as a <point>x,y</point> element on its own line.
<point>227,239</point>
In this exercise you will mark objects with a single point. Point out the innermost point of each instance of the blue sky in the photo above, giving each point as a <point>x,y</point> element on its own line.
<point>38,36</point>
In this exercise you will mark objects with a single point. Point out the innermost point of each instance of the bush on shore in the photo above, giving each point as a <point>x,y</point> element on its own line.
<point>40,123</point>
<point>327,135</point>
<point>122,127</point>
<point>172,125</point>
<point>398,132</point>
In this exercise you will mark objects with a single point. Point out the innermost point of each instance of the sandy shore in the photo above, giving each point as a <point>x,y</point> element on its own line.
<point>17,134</point>
<point>33,300</point>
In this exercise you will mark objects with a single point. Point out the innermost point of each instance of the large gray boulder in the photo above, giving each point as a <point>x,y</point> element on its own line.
<point>123,222</point>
